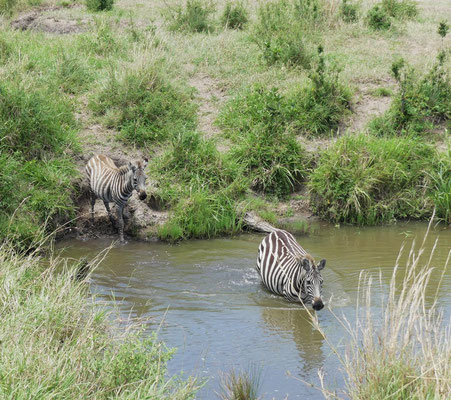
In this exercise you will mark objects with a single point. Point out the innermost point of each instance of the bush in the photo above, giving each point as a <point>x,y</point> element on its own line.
<point>34,122</point>
<point>378,18</point>
<point>195,16</point>
<point>235,15</point>
<point>284,28</point>
<point>200,186</point>
<point>144,106</point>
<point>320,106</point>
<point>349,12</point>
<point>400,9</point>
<point>367,180</point>
<point>8,6</point>
<point>421,101</point>
<point>268,151</point>
<point>99,5</point>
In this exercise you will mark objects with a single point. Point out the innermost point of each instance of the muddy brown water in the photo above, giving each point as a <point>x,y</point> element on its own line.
<point>206,299</point>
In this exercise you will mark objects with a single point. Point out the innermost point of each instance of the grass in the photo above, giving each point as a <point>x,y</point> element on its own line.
<point>240,385</point>
<point>366,180</point>
<point>235,15</point>
<point>422,101</point>
<point>191,16</point>
<point>143,105</point>
<point>201,187</point>
<point>404,352</point>
<point>60,345</point>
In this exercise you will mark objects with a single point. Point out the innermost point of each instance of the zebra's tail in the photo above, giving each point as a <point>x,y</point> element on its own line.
<point>255,223</point>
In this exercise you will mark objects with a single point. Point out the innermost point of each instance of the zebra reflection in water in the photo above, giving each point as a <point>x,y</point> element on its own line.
<point>112,184</point>
<point>288,270</point>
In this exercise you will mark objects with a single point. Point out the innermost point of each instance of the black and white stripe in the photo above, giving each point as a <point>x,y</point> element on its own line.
<point>113,184</point>
<point>288,270</point>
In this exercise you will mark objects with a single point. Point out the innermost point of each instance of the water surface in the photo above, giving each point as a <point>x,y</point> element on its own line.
<point>206,299</point>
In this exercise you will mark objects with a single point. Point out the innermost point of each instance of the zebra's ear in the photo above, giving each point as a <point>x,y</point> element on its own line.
<point>321,265</point>
<point>146,160</point>
<point>306,264</point>
<point>131,166</point>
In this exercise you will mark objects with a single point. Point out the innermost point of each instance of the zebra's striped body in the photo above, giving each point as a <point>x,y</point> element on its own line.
<point>288,270</point>
<point>112,184</point>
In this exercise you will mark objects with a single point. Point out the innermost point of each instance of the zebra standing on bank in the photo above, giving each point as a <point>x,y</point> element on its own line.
<point>113,184</point>
<point>288,270</point>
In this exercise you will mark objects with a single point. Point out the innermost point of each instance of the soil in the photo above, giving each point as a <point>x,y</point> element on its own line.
<point>38,20</point>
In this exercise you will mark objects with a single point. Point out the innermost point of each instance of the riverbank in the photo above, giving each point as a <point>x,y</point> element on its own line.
<point>57,342</point>
<point>229,125</point>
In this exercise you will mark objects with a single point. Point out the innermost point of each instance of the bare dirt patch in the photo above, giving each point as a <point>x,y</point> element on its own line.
<point>38,20</point>
<point>210,98</point>
<point>368,106</point>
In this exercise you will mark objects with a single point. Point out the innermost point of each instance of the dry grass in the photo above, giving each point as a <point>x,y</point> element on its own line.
<point>401,350</point>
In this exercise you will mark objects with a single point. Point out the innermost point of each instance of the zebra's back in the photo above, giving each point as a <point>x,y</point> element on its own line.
<point>105,179</point>
<point>277,262</point>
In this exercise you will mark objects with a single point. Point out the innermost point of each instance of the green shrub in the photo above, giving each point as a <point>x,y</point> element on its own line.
<point>200,185</point>
<point>99,5</point>
<point>8,6</point>
<point>320,106</point>
<point>235,15</point>
<point>421,101</point>
<point>144,106</point>
<point>43,193</point>
<point>202,214</point>
<point>400,9</point>
<point>378,18</point>
<point>367,180</point>
<point>284,29</point>
<point>34,122</point>
<point>268,151</point>
<point>349,12</point>
<point>194,16</point>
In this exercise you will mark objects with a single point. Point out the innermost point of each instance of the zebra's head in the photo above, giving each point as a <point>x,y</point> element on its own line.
<point>312,282</point>
<point>139,177</point>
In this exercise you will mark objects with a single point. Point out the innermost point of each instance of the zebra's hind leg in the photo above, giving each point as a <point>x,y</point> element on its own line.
<point>120,219</point>
<point>110,215</point>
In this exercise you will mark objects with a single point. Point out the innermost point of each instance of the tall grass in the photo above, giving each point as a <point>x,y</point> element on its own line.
<point>144,105</point>
<point>366,180</point>
<point>268,151</point>
<point>421,101</point>
<point>200,185</point>
<point>191,16</point>
<point>284,29</point>
<point>403,353</point>
<point>240,385</point>
<point>58,344</point>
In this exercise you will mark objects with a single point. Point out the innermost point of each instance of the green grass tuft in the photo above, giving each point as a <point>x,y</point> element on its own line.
<point>367,180</point>
<point>99,5</point>
<point>144,106</point>
<point>192,16</point>
<point>235,15</point>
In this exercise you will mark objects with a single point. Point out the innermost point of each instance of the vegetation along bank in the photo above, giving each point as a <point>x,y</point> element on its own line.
<point>285,108</point>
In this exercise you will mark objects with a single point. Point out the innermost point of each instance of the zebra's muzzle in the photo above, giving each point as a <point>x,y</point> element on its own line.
<point>317,304</point>
<point>142,195</point>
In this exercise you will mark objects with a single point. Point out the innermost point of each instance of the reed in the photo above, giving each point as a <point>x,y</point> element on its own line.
<point>401,352</point>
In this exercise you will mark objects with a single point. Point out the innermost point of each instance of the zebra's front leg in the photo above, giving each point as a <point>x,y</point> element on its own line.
<point>93,202</point>
<point>120,219</point>
<point>110,215</point>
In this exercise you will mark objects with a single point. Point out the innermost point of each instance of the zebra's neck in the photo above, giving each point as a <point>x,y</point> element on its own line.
<point>127,177</point>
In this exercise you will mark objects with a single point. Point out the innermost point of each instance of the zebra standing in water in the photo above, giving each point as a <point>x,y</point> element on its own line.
<point>287,269</point>
<point>113,184</point>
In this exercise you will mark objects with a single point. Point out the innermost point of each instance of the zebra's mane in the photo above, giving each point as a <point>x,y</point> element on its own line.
<point>300,257</point>
<point>123,169</point>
